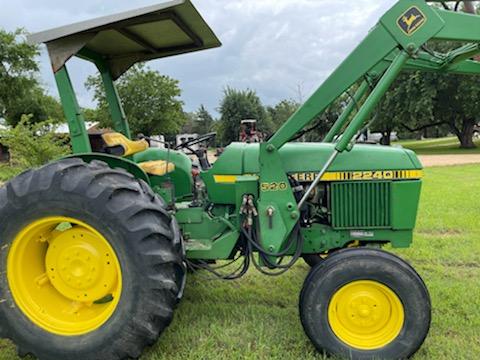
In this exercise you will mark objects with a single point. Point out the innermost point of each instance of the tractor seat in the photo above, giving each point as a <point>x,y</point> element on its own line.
<point>118,144</point>
<point>157,167</point>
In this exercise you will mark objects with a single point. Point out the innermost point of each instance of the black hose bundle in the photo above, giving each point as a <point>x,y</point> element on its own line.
<point>236,274</point>
<point>250,246</point>
<point>264,255</point>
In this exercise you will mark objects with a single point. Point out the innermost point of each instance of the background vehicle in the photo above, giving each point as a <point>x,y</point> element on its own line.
<point>375,137</point>
<point>157,141</point>
<point>249,133</point>
<point>96,244</point>
<point>183,138</point>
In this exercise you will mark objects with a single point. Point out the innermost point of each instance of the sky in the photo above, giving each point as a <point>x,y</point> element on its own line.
<point>283,49</point>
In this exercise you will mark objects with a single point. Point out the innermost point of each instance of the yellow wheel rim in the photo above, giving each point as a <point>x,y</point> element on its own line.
<point>366,315</point>
<point>64,276</point>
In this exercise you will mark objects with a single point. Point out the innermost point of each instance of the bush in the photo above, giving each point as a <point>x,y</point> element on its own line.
<point>7,172</point>
<point>33,145</point>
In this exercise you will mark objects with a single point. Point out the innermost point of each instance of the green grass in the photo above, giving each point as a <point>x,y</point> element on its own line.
<point>257,316</point>
<point>442,146</point>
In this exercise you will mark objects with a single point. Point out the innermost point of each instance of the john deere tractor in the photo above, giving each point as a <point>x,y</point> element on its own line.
<point>94,248</point>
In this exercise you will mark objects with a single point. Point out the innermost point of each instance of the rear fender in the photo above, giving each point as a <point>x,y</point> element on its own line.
<point>115,162</point>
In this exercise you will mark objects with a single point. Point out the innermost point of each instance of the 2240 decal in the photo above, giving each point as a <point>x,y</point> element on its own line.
<point>360,175</point>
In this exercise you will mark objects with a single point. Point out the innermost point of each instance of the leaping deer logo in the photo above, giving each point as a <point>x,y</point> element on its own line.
<point>409,21</point>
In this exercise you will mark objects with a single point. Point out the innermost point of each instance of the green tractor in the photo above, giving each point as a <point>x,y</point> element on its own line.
<point>94,248</point>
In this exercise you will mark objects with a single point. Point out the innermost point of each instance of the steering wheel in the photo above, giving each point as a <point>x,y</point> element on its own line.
<point>204,138</point>
<point>201,153</point>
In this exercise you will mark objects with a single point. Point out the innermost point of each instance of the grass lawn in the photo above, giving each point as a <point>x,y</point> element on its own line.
<point>442,146</point>
<point>257,316</point>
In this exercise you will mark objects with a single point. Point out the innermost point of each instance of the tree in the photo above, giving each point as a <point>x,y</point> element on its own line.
<point>20,92</point>
<point>281,112</point>
<point>151,101</point>
<point>408,104</point>
<point>203,121</point>
<point>324,122</point>
<point>457,106</point>
<point>198,122</point>
<point>419,101</point>
<point>319,127</point>
<point>238,105</point>
<point>17,68</point>
<point>189,126</point>
<point>39,106</point>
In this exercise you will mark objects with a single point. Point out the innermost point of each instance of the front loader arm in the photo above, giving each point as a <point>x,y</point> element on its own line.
<point>458,26</point>
<point>465,68</point>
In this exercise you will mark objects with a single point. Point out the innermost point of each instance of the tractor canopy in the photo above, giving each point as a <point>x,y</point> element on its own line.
<point>170,28</point>
<point>114,44</point>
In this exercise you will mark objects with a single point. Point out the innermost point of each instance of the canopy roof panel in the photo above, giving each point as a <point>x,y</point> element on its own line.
<point>170,28</point>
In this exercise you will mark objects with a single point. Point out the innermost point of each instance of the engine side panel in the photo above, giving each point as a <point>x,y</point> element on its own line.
<point>370,194</point>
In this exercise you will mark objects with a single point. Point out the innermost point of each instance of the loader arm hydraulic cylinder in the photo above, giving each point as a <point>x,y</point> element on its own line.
<point>343,119</point>
<point>372,101</point>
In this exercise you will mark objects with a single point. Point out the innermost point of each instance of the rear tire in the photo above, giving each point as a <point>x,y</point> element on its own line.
<point>365,304</point>
<point>144,237</point>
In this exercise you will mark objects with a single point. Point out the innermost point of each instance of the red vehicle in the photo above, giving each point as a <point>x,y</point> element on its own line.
<point>249,133</point>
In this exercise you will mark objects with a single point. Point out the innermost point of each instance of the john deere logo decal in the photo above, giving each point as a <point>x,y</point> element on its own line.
<point>411,20</point>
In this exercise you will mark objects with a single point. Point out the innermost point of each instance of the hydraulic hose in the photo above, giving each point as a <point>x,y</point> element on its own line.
<point>264,254</point>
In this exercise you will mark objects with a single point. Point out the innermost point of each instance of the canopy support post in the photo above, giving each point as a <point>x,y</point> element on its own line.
<point>117,113</point>
<point>73,113</point>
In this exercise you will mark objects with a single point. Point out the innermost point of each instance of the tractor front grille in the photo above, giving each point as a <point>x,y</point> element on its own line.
<point>360,205</point>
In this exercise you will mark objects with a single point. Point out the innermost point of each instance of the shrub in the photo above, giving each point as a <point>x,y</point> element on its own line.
<point>33,145</point>
<point>7,172</point>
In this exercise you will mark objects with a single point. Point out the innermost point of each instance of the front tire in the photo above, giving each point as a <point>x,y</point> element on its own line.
<point>91,264</point>
<point>365,304</point>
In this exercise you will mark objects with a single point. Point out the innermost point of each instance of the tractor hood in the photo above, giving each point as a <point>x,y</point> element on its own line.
<point>240,158</point>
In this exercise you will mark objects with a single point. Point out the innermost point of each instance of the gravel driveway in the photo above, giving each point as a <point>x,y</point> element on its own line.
<point>448,160</point>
